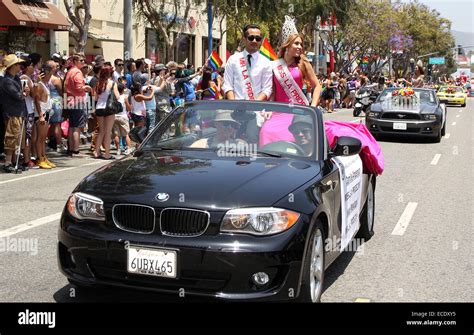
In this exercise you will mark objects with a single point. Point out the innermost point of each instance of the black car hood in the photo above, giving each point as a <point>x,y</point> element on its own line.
<point>198,180</point>
<point>423,109</point>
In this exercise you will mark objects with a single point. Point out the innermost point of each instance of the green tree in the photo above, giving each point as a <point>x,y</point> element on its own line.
<point>79,13</point>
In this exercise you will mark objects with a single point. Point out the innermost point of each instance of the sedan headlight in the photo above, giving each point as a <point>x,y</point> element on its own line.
<point>429,117</point>
<point>373,114</point>
<point>86,207</point>
<point>258,221</point>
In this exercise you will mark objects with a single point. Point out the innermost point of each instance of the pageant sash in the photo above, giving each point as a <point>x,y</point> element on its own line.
<point>244,75</point>
<point>288,83</point>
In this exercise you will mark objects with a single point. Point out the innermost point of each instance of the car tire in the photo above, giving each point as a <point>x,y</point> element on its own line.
<point>367,217</point>
<point>313,272</point>
<point>356,111</point>
<point>437,138</point>
<point>464,104</point>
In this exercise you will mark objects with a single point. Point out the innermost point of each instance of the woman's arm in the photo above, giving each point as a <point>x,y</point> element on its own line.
<point>116,92</point>
<point>142,97</point>
<point>314,83</point>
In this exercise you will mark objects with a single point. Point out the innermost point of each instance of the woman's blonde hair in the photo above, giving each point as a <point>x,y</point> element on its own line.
<point>301,61</point>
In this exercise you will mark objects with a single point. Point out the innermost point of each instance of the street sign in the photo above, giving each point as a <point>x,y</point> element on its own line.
<point>436,60</point>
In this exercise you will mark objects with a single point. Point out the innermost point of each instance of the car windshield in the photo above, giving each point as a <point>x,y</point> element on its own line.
<point>230,129</point>
<point>450,89</point>
<point>423,96</point>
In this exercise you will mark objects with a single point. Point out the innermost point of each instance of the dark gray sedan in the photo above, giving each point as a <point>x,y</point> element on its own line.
<point>421,114</point>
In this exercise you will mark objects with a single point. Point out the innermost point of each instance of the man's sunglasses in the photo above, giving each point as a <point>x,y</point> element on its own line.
<point>304,131</point>
<point>229,124</point>
<point>119,64</point>
<point>252,38</point>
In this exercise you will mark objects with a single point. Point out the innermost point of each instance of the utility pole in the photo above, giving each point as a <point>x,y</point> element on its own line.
<point>127,29</point>
<point>390,57</point>
<point>53,36</point>
<point>316,45</point>
<point>209,20</point>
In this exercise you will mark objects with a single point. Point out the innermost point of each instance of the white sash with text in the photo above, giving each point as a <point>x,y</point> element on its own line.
<point>288,83</point>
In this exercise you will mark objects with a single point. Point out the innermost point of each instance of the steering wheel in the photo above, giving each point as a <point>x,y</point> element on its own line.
<point>284,147</point>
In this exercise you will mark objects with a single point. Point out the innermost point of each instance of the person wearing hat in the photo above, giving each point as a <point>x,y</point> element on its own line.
<point>163,106</point>
<point>12,96</point>
<point>226,129</point>
<point>302,130</point>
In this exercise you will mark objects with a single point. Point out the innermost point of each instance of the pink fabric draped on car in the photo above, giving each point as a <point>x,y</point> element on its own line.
<point>371,153</point>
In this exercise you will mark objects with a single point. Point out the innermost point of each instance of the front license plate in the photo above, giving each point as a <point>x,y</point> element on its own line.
<point>399,126</point>
<point>152,262</point>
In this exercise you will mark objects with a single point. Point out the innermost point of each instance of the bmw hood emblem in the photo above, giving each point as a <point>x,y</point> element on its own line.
<point>162,197</point>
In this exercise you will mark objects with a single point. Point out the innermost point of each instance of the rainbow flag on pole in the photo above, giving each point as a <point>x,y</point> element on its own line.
<point>215,93</point>
<point>267,50</point>
<point>215,61</point>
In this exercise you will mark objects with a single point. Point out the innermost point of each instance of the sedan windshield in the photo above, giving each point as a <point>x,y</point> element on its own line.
<point>422,96</point>
<point>238,129</point>
<point>455,89</point>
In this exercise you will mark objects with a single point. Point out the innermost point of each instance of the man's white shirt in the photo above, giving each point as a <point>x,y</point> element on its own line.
<point>261,75</point>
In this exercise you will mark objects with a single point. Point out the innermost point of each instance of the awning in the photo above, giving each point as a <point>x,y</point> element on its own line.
<point>32,14</point>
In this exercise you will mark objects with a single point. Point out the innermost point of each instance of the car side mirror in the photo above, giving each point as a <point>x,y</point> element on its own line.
<point>138,134</point>
<point>347,146</point>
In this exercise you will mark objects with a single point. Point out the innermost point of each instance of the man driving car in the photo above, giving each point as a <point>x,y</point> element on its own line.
<point>226,129</point>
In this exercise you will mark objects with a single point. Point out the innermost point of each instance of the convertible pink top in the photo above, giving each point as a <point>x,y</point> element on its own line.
<point>371,153</point>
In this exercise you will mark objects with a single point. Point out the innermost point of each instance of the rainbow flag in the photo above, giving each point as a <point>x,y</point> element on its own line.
<point>267,50</point>
<point>215,93</point>
<point>215,61</point>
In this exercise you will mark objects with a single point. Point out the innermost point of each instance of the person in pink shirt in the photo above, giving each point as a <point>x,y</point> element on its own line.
<point>75,89</point>
<point>276,126</point>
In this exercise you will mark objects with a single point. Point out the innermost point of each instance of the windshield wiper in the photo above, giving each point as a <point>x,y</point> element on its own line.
<point>269,154</point>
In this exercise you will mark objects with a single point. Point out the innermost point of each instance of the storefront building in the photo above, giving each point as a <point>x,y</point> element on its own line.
<point>43,27</point>
<point>30,26</point>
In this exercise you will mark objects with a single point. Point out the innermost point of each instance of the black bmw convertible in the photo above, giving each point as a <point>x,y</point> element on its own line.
<point>206,207</point>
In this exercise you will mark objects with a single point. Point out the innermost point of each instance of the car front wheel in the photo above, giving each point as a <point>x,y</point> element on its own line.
<point>366,230</point>
<point>313,280</point>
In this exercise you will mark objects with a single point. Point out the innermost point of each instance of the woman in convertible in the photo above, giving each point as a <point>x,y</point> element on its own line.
<point>289,73</point>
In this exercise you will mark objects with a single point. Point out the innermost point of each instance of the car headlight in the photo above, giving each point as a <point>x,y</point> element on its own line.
<point>430,117</point>
<point>373,114</point>
<point>258,221</point>
<point>86,207</point>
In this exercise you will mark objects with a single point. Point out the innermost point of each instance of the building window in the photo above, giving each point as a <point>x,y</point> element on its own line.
<point>157,50</point>
<point>184,49</point>
<point>205,53</point>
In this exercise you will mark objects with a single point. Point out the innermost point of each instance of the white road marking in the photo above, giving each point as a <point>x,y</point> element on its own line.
<point>453,124</point>
<point>362,300</point>
<point>458,115</point>
<point>436,159</point>
<point>405,219</point>
<point>447,136</point>
<point>29,225</point>
<point>356,121</point>
<point>47,173</point>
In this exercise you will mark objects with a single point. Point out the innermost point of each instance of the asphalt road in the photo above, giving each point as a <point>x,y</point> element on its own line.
<point>426,192</point>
